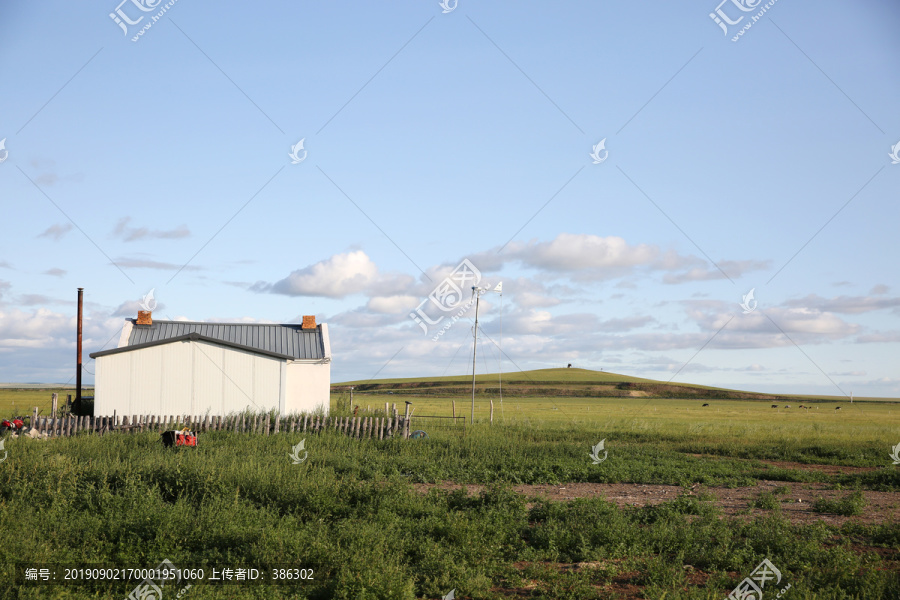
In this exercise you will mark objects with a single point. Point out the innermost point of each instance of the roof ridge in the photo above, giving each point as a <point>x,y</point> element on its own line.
<point>222,323</point>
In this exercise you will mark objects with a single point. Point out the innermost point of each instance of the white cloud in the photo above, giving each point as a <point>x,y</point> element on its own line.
<point>848,304</point>
<point>140,263</point>
<point>343,275</point>
<point>732,268</point>
<point>56,232</point>
<point>592,256</point>
<point>392,304</point>
<point>132,234</point>
<point>335,277</point>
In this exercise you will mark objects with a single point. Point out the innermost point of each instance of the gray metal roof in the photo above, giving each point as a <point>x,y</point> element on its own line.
<point>289,340</point>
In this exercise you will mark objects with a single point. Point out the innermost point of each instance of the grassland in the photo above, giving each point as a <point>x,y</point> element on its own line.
<point>386,520</point>
<point>20,401</point>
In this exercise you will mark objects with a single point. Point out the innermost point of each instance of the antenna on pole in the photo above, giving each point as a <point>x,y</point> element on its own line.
<point>499,290</point>
<point>478,291</point>
<point>475,291</point>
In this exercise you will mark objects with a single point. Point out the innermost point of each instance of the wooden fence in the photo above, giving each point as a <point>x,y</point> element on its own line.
<point>358,427</point>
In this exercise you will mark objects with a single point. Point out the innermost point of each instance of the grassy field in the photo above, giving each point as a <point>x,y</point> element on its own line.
<point>19,401</point>
<point>364,517</point>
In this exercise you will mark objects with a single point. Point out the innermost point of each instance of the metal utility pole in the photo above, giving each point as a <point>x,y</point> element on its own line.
<point>78,344</point>
<point>474,351</point>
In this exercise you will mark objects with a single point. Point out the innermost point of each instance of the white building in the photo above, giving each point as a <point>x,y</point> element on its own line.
<point>195,368</point>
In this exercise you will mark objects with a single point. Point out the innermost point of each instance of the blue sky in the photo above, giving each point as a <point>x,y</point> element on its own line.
<point>431,137</point>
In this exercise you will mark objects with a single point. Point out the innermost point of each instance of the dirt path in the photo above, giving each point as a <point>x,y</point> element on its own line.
<point>796,501</point>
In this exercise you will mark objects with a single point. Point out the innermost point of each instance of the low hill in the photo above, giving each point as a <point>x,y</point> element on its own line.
<point>556,383</point>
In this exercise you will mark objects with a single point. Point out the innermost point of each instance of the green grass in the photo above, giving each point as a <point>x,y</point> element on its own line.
<point>350,511</point>
<point>858,435</point>
<point>566,380</point>
<point>18,401</point>
<point>538,375</point>
<point>850,505</point>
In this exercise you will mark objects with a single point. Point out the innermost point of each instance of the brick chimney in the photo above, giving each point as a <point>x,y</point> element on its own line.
<point>145,317</point>
<point>309,322</point>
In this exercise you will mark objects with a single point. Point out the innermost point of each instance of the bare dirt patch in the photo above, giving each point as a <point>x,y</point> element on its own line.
<point>784,464</point>
<point>796,499</point>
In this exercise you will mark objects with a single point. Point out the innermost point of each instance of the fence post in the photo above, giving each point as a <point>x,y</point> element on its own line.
<point>268,418</point>
<point>34,416</point>
<point>54,403</point>
<point>277,422</point>
<point>406,422</point>
<point>492,411</point>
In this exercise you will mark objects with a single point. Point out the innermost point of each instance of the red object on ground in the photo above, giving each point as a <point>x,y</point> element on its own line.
<point>16,423</point>
<point>184,437</point>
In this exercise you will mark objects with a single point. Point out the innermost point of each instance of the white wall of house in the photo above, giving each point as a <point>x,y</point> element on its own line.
<point>308,387</point>
<point>191,377</point>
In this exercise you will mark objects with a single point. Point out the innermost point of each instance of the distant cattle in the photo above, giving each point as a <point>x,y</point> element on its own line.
<point>837,408</point>
<point>706,405</point>
<point>570,366</point>
<point>774,406</point>
<point>787,405</point>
